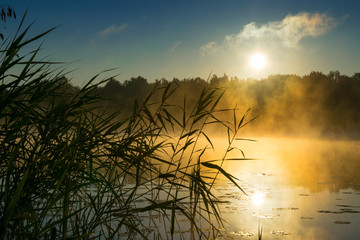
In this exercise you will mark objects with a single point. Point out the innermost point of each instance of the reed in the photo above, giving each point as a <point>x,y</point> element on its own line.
<point>70,171</point>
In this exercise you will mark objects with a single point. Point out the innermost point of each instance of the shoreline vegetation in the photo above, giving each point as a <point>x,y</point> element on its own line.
<point>316,105</point>
<point>69,170</point>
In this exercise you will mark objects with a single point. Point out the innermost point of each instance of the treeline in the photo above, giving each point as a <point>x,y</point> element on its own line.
<point>317,104</point>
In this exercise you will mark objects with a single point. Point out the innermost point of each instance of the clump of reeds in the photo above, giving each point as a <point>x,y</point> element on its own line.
<point>67,170</point>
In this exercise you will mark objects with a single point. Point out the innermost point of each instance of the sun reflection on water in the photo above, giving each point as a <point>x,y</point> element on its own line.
<point>258,198</point>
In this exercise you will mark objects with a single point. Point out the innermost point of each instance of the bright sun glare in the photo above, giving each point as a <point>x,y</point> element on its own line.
<point>258,61</point>
<point>258,198</point>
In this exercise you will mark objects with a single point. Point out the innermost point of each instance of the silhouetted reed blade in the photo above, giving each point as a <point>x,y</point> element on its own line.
<point>70,171</point>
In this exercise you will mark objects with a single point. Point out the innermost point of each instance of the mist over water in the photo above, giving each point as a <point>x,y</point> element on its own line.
<point>309,189</point>
<point>303,180</point>
<point>316,105</point>
<point>309,163</point>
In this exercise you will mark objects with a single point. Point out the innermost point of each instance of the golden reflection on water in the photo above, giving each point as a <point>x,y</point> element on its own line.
<point>258,198</point>
<point>313,164</point>
<point>298,189</point>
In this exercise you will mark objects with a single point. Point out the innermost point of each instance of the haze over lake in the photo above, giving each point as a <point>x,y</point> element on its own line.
<point>308,189</point>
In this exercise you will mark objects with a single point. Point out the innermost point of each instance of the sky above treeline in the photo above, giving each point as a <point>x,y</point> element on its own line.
<point>185,39</point>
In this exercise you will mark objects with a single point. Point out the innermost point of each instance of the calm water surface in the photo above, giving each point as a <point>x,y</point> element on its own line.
<point>298,189</point>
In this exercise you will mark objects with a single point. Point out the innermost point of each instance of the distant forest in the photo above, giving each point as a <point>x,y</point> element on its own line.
<point>316,105</point>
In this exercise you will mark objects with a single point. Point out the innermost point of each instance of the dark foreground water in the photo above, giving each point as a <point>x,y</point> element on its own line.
<point>298,189</point>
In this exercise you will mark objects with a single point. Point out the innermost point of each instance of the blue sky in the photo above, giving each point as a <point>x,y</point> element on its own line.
<point>183,39</point>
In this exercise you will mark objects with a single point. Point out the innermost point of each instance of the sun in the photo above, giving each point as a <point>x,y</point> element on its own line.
<point>258,61</point>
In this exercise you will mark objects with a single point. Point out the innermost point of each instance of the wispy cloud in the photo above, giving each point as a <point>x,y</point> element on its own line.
<point>112,29</point>
<point>210,47</point>
<point>288,32</point>
<point>175,46</point>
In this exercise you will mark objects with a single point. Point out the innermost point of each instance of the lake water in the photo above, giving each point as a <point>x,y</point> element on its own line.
<point>298,189</point>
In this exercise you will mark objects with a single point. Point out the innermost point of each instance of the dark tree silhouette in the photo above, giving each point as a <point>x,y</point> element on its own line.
<point>327,104</point>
